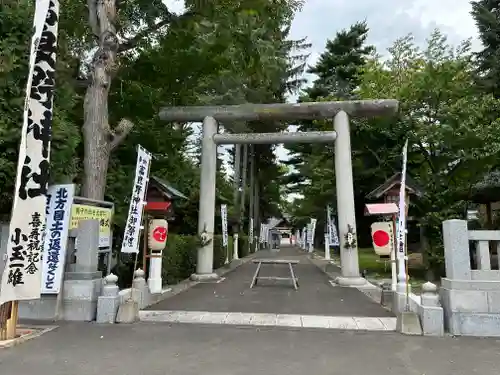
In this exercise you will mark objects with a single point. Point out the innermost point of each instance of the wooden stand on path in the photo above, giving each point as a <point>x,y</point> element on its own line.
<point>290,263</point>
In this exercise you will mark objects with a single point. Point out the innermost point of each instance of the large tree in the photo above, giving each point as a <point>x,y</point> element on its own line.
<point>486,13</point>
<point>450,124</point>
<point>339,72</point>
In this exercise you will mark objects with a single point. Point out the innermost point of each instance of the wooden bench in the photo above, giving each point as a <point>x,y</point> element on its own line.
<point>288,262</point>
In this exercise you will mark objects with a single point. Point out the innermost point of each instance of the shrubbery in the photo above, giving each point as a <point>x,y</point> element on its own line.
<point>179,258</point>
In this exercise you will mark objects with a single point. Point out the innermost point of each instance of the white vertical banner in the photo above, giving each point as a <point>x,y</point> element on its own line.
<point>59,201</point>
<point>130,242</point>
<point>223,215</point>
<point>313,225</point>
<point>309,233</point>
<point>333,237</point>
<point>250,230</point>
<point>401,230</point>
<point>304,237</point>
<point>402,206</point>
<point>262,233</point>
<point>21,278</point>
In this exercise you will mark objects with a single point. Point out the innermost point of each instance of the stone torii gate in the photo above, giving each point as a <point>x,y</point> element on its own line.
<point>339,111</point>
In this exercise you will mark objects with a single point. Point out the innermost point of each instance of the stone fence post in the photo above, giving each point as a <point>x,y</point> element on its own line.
<point>430,296</point>
<point>456,250</point>
<point>109,301</point>
<point>430,311</point>
<point>140,290</point>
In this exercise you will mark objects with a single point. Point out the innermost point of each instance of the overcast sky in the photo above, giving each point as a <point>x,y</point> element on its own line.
<point>388,20</point>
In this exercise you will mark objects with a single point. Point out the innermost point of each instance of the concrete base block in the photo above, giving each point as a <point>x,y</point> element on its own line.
<point>205,278</point>
<point>107,308</point>
<point>386,297</point>
<point>128,312</point>
<point>79,310</point>
<point>408,323</point>
<point>400,303</point>
<point>39,309</point>
<point>350,281</point>
<point>80,299</point>
<point>474,324</point>
<point>432,320</point>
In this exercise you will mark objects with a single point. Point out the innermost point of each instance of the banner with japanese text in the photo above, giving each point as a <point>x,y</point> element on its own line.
<point>130,242</point>
<point>250,230</point>
<point>333,237</point>
<point>21,279</point>
<point>401,229</point>
<point>59,200</point>
<point>223,215</point>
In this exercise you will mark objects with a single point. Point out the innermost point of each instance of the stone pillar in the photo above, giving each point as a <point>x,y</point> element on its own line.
<point>235,246</point>
<point>345,202</point>
<point>206,214</point>
<point>456,250</point>
<point>256,200</point>
<point>82,287</point>
<point>88,246</point>
<point>140,290</point>
<point>4,235</point>
<point>155,279</point>
<point>431,312</point>
<point>109,301</point>
<point>327,246</point>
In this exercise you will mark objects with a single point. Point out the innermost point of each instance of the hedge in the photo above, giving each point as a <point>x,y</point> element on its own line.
<point>179,258</point>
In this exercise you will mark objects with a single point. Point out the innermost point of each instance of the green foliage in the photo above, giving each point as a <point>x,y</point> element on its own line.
<point>451,125</point>
<point>179,257</point>
<point>339,71</point>
<point>486,13</point>
<point>216,52</point>
<point>16,19</point>
<point>339,67</point>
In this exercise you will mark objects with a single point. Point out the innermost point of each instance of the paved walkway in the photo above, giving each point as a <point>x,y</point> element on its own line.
<point>317,303</point>
<point>186,349</point>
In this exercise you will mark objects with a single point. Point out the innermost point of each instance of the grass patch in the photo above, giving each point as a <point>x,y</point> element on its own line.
<point>380,268</point>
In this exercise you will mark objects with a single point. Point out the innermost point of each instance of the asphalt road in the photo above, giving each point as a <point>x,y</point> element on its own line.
<point>154,349</point>
<point>315,296</point>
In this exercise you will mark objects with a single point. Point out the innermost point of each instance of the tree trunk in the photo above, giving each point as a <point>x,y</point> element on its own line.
<point>256,198</point>
<point>236,182</point>
<point>244,172</point>
<point>99,139</point>
<point>251,192</point>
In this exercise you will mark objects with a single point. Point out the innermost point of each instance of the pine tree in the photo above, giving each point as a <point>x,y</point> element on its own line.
<point>487,16</point>
<point>338,68</point>
<point>339,71</point>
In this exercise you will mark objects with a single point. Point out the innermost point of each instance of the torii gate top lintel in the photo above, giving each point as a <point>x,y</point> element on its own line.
<point>281,111</point>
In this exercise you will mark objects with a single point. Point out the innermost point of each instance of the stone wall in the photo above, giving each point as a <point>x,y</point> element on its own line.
<point>470,297</point>
<point>4,235</point>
